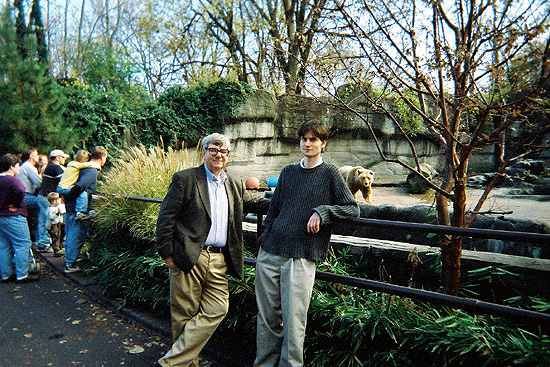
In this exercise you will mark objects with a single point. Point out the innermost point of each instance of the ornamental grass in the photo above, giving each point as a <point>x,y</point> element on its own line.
<point>139,172</point>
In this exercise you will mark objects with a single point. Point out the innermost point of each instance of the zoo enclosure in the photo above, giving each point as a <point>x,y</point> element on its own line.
<point>531,319</point>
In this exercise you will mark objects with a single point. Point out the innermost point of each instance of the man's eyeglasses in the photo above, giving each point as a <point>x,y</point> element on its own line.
<point>215,151</point>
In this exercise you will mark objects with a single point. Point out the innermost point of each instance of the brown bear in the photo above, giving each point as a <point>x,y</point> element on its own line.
<point>359,178</point>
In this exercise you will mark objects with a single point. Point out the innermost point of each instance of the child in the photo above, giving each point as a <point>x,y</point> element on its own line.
<point>54,223</point>
<point>69,178</point>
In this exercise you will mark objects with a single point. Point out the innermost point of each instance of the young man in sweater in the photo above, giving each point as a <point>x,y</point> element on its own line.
<point>295,237</point>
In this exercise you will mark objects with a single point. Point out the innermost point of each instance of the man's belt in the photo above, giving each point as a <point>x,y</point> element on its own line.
<point>215,249</point>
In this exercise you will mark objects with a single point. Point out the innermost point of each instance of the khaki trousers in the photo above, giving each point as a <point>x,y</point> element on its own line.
<point>283,292</point>
<point>199,301</point>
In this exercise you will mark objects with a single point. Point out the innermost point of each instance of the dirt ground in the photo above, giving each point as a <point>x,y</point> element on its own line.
<point>500,200</point>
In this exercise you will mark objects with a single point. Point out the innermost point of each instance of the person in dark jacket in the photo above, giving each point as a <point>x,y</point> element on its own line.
<point>308,198</point>
<point>77,231</point>
<point>50,179</point>
<point>15,239</point>
<point>199,236</point>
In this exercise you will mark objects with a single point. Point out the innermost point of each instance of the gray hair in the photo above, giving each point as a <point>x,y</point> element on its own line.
<point>216,139</point>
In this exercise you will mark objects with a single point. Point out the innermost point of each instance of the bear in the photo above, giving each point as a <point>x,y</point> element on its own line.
<point>358,178</point>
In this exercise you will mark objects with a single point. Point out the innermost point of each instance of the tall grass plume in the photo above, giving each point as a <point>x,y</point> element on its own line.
<point>139,172</point>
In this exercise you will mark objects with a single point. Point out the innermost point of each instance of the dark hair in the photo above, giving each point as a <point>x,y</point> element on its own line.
<point>7,161</point>
<point>316,128</point>
<point>26,153</point>
<point>98,152</point>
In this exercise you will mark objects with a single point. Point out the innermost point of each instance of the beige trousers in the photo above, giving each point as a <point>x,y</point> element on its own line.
<point>283,292</point>
<point>199,301</point>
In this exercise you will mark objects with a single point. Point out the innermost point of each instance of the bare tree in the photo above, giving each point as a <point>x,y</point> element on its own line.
<point>291,25</point>
<point>449,63</point>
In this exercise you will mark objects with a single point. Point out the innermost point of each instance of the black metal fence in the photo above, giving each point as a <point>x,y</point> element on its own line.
<point>530,319</point>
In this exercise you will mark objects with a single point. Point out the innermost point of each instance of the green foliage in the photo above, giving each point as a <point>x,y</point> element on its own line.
<point>31,103</point>
<point>410,121</point>
<point>456,338</point>
<point>117,119</point>
<point>123,266</point>
<point>201,109</point>
<point>37,26</point>
<point>107,70</point>
<point>103,118</point>
<point>159,123</point>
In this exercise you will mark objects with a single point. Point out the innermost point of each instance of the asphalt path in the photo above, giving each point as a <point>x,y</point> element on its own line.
<point>64,320</point>
<point>53,323</point>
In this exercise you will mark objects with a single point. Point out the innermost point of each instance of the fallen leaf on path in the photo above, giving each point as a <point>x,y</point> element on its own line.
<point>136,349</point>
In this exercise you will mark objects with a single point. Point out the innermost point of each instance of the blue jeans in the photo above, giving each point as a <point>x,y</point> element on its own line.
<point>15,244</point>
<point>43,237</point>
<point>81,200</point>
<point>76,232</point>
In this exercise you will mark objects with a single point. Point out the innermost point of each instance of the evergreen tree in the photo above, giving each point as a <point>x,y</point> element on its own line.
<point>31,103</point>
<point>21,30</point>
<point>37,27</point>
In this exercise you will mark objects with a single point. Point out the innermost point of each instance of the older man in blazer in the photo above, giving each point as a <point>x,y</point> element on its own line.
<point>199,236</point>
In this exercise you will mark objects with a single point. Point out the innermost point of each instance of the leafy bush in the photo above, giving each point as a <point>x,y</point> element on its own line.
<point>201,109</point>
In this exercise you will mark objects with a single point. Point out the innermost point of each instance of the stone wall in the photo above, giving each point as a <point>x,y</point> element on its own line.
<point>264,139</point>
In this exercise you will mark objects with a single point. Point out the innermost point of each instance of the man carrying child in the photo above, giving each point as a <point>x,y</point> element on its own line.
<point>81,161</point>
<point>77,230</point>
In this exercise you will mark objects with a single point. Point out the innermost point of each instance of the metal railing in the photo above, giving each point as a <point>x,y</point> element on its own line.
<point>530,319</point>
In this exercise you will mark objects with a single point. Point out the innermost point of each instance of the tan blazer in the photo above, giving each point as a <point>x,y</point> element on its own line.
<point>184,219</point>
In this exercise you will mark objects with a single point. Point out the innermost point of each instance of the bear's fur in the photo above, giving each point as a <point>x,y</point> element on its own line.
<point>359,178</point>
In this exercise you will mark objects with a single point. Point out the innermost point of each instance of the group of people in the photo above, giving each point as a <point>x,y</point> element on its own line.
<point>28,189</point>
<point>199,236</point>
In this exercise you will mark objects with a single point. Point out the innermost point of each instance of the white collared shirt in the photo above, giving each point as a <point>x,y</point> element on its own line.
<point>219,209</point>
<point>304,160</point>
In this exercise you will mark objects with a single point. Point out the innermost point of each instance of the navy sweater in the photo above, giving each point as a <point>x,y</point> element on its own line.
<point>300,192</point>
<point>87,181</point>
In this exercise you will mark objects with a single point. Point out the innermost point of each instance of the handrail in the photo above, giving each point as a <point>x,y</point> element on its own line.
<point>517,314</point>
<point>531,319</point>
<point>540,238</point>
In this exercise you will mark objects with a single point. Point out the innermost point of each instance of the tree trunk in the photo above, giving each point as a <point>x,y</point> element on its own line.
<point>451,256</point>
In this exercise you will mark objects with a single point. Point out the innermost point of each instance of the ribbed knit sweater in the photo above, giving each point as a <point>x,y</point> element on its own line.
<point>300,192</point>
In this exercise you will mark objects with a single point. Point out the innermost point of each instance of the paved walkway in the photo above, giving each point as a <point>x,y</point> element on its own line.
<point>64,320</point>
